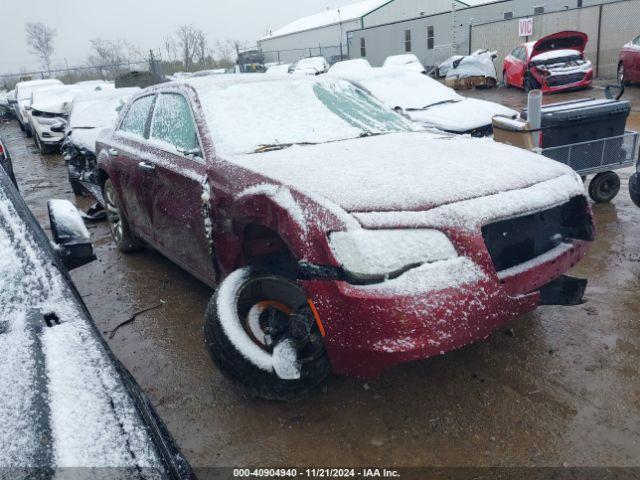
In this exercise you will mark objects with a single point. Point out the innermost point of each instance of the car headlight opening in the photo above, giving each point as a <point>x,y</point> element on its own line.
<point>372,254</point>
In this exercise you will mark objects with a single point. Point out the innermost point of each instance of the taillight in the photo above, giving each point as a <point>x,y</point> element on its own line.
<point>540,142</point>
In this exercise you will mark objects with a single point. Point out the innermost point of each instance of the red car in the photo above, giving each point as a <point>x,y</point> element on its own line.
<point>555,63</point>
<point>338,237</point>
<point>629,62</point>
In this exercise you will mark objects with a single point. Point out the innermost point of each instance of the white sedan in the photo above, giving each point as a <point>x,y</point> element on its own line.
<point>423,99</point>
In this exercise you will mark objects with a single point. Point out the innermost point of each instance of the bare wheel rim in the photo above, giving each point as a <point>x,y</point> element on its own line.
<point>113,214</point>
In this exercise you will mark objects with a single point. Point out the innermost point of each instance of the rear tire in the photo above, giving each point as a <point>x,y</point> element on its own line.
<point>604,187</point>
<point>124,238</point>
<point>232,339</point>
<point>621,76</point>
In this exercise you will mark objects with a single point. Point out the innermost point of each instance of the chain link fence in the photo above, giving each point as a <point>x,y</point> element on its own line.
<point>609,27</point>
<point>333,54</point>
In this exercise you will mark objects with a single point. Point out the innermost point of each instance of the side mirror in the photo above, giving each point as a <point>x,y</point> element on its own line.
<point>191,152</point>
<point>58,127</point>
<point>70,236</point>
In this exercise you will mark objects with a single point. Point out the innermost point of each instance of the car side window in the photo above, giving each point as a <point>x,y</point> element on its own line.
<point>173,123</point>
<point>135,121</point>
<point>636,41</point>
<point>515,52</point>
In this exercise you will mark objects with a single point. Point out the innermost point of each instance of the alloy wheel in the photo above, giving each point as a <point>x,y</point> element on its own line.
<point>113,213</point>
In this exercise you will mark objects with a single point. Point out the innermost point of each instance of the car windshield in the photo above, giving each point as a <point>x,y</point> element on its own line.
<point>252,116</point>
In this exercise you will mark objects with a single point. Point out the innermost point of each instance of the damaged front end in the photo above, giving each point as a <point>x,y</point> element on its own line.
<point>568,70</point>
<point>83,176</point>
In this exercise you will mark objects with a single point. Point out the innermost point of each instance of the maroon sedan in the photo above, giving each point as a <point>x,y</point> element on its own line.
<point>629,62</point>
<point>338,237</point>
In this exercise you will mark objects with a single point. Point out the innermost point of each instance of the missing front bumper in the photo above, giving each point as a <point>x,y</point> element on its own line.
<point>564,290</point>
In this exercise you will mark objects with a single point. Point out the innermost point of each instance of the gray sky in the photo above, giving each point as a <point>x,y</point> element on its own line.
<point>142,22</point>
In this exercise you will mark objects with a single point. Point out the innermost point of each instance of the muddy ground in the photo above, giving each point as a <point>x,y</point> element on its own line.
<point>559,387</point>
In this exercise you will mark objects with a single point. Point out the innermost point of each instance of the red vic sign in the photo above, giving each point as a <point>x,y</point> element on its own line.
<point>525,27</point>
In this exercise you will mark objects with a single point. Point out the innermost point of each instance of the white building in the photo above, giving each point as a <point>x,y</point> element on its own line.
<point>325,33</point>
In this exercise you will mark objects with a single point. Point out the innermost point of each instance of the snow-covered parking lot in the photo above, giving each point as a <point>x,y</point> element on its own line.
<point>557,386</point>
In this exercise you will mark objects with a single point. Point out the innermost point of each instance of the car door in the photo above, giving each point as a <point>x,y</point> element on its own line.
<point>634,60</point>
<point>179,192</point>
<point>131,169</point>
<point>514,67</point>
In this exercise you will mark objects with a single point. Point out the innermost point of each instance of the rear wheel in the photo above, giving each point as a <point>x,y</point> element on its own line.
<point>604,187</point>
<point>261,333</point>
<point>622,78</point>
<point>124,238</point>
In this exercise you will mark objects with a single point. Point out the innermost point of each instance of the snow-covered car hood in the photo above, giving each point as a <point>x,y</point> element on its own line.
<point>461,116</point>
<point>404,171</point>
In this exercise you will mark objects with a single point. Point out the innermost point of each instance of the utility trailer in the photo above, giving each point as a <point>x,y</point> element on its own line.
<point>588,135</point>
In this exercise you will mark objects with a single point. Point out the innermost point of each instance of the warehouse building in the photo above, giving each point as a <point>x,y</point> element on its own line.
<point>401,27</point>
<point>325,33</point>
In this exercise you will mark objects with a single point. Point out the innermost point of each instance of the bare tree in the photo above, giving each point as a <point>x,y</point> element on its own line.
<point>187,36</point>
<point>170,48</point>
<point>40,40</point>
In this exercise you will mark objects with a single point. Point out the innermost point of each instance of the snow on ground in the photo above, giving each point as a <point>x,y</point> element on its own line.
<point>56,383</point>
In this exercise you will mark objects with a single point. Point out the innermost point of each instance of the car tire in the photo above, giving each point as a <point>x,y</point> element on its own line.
<point>21,126</point>
<point>124,238</point>
<point>604,187</point>
<point>232,331</point>
<point>621,74</point>
<point>27,130</point>
<point>505,82</point>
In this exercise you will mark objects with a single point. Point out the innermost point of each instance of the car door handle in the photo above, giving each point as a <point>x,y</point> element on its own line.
<point>113,152</point>
<point>147,166</point>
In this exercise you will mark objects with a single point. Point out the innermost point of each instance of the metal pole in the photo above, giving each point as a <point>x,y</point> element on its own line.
<point>598,43</point>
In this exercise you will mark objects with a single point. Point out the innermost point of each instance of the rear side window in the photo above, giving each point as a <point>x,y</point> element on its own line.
<point>636,42</point>
<point>135,120</point>
<point>173,122</point>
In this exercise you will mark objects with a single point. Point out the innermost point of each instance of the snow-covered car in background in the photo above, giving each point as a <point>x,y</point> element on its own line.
<point>310,66</point>
<point>423,99</point>
<point>91,112</point>
<point>555,63</point>
<point>278,69</point>
<point>24,90</point>
<point>340,235</point>
<point>408,61</point>
<point>66,400</point>
<point>478,66</point>
<point>48,107</point>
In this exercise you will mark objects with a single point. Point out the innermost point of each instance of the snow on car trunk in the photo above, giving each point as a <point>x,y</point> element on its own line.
<point>367,175</point>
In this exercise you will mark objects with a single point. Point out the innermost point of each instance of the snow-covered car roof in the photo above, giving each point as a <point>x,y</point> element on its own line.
<point>398,87</point>
<point>350,68</point>
<point>278,70</point>
<point>92,109</point>
<point>311,66</point>
<point>247,113</point>
<point>25,89</point>
<point>92,112</point>
<point>407,60</point>
<point>65,401</point>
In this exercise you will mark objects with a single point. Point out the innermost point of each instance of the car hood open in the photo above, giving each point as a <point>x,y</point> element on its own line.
<point>567,40</point>
<point>403,171</point>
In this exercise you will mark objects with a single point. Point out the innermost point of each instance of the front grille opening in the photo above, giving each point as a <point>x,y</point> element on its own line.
<point>518,240</point>
<point>51,319</point>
